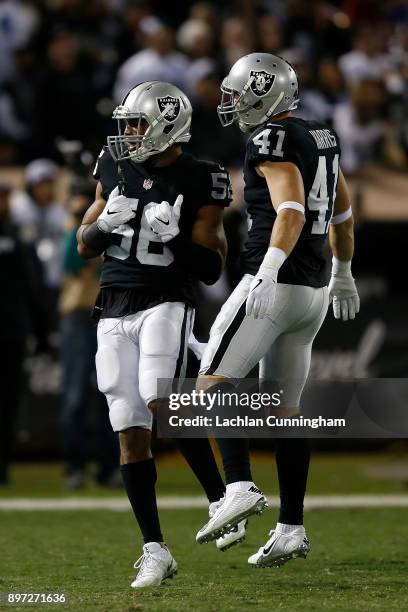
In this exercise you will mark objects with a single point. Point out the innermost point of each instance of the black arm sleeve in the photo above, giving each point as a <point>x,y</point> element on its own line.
<point>95,239</point>
<point>203,263</point>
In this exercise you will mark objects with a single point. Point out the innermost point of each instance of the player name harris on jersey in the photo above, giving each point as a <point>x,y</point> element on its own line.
<point>138,270</point>
<point>315,150</point>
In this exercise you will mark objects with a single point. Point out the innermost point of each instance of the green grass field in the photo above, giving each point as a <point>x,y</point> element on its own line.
<point>330,474</point>
<point>358,561</point>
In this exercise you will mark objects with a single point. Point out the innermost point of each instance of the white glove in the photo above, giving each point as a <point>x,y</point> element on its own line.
<point>164,219</point>
<point>261,296</point>
<point>118,210</point>
<point>343,291</point>
<point>262,290</point>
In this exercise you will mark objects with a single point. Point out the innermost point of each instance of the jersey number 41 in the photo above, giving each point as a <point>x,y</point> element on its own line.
<point>322,194</point>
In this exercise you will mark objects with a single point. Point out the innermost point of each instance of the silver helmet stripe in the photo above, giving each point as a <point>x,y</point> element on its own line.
<point>161,116</point>
<point>278,101</point>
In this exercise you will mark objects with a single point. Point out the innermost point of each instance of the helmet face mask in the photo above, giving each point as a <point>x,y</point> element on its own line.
<point>232,105</point>
<point>136,146</point>
<point>258,86</point>
<point>164,108</point>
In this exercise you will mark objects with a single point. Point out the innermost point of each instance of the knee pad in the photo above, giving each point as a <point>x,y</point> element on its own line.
<point>123,415</point>
<point>158,378</point>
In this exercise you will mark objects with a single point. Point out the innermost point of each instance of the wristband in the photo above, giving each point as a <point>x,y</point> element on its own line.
<point>95,239</point>
<point>272,261</point>
<point>342,268</point>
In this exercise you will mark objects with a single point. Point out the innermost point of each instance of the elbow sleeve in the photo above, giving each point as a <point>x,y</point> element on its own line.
<point>203,263</point>
<point>95,239</point>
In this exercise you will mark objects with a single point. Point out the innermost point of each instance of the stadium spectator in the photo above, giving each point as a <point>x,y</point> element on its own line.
<point>127,34</point>
<point>367,59</point>
<point>312,103</point>
<point>21,312</point>
<point>361,125</point>
<point>270,34</point>
<point>17,104</point>
<point>67,95</point>
<point>158,61</point>
<point>18,23</point>
<point>41,219</point>
<point>236,39</point>
<point>78,347</point>
<point>330,81</point>
<point>205,11</point>
<point>195,38</point>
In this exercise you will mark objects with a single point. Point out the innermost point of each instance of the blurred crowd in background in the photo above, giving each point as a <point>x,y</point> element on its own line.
<point>65,65</point>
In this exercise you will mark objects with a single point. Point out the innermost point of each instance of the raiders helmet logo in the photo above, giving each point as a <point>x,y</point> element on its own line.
<point>262,82</point>
<point>172,105</point>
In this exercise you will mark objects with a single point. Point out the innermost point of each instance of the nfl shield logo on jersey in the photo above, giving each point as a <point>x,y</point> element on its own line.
<point>262,82</point>
<point>172,105</point>
<point>147,184</point>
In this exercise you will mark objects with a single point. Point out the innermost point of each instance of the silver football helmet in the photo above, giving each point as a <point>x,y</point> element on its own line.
<point>258,86</point>
<point>167,111</point>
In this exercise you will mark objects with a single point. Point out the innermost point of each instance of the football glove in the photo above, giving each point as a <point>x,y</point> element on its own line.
<point>261,295</point>
<point>118,210</point>
<point>164,219</point>
<point>262,290</point>
<point>343,291</point>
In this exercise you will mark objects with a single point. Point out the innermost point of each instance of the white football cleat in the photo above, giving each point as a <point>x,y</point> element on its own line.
<point>280,548</point>
<point>237,506</point>
<point>237,533</point>
<point>155,565</point>
<point>233,537</point>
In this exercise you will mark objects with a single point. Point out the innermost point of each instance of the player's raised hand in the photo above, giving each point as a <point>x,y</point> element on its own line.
<point>343,292</point>
<point>118,210</point>
<point>164,219</point>
<point>177,207</point>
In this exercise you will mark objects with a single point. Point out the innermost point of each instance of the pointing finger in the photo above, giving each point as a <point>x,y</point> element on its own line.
<point>177,206</point>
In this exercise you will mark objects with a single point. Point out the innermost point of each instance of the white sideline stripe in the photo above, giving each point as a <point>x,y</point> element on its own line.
<point>188,503</point>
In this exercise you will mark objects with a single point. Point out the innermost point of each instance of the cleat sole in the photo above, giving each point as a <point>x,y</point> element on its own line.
<point>278,562</point>
<point>171,574</point>
<point>224,548</point>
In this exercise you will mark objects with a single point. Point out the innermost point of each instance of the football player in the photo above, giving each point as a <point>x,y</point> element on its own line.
<point>157,218</point>
<point>296,196</point>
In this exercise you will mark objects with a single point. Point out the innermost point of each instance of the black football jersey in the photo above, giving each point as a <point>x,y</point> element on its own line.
<point>138,270</point>
<point>315,150</point>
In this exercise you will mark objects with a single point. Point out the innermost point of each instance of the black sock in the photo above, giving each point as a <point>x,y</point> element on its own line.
<point>234,451</point>
<point>292,460</point>
<point>139,480</point>
<point>235,459</point>
<point>199,456</point>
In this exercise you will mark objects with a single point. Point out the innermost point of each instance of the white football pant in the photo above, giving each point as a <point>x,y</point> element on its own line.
<point>282,342</point>
<point>134,352</point>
